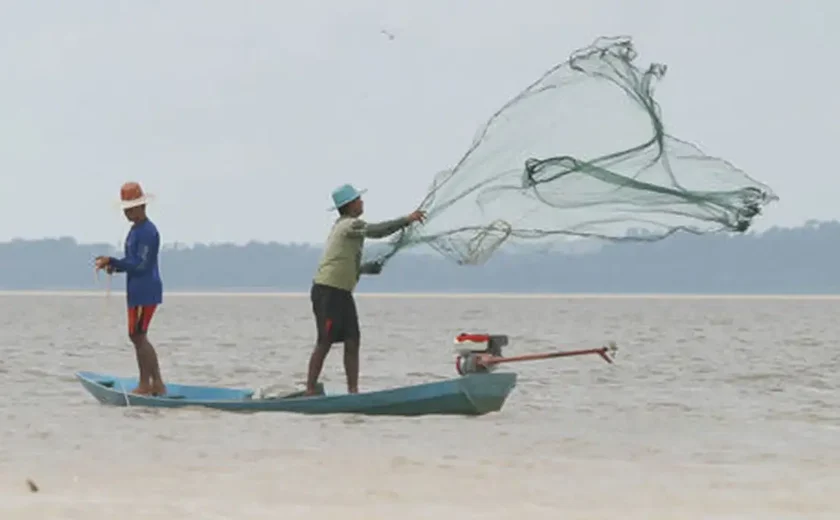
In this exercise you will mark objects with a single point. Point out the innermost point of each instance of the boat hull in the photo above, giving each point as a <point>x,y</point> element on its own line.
<point>473,394</point>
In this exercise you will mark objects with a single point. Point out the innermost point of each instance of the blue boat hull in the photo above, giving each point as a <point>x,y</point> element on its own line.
<point>473,394</point>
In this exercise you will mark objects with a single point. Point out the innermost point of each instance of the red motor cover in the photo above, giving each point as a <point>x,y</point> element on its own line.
<point>475,338</point>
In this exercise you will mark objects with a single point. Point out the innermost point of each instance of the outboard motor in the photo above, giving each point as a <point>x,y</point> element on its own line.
<point>469,358</point>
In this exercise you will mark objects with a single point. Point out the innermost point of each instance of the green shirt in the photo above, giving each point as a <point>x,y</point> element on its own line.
<point>340,265</point>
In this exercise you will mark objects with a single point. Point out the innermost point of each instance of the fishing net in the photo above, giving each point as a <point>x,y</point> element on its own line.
<point>582,152</point>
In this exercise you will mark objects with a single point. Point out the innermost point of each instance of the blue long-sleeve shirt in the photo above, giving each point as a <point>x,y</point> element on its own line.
<point>143,284</point>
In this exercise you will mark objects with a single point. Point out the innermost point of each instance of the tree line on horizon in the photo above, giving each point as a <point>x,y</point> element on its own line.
<point>777,261</point>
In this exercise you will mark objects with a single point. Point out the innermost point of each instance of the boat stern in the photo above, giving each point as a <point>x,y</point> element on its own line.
<point>487,392</point>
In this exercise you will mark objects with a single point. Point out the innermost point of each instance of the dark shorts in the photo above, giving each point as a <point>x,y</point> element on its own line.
<point>335,314</point>
<point>139,319</point>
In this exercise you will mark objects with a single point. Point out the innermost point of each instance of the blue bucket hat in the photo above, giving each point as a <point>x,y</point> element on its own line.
<point>344,194</point>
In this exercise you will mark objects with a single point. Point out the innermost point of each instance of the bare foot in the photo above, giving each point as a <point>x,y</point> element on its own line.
<point>142,390</point>
<point>159,390</point>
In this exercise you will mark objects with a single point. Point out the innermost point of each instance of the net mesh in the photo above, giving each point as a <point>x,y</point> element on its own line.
<point>582,152</point>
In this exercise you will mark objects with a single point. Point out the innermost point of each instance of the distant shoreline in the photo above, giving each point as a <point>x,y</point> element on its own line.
<point>432,295</point>
<point>790,264</point>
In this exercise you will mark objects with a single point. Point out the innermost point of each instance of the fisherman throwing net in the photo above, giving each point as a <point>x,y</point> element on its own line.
<point>582,152</point>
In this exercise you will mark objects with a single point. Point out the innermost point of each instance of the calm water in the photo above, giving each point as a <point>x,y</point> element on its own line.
<point>716,408</point>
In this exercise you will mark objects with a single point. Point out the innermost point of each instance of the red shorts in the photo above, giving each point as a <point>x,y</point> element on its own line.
<point>139,319</point>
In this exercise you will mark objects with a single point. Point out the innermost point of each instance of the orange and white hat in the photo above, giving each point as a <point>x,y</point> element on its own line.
<point>132,195</point>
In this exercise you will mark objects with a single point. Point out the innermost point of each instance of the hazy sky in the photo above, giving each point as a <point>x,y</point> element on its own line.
<point>241,116</point>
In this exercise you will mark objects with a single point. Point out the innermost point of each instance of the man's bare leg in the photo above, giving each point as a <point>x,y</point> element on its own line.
<point>316,364</point>
<point>158,388</point>
<point>351,365</point>
<point>151,383</point>
<point>144,386</point>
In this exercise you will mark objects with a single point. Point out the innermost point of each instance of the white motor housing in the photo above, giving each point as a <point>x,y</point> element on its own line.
<point>468,364</point>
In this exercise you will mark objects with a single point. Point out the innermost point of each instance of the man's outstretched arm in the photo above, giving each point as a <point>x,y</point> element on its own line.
<point>359,228</point>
